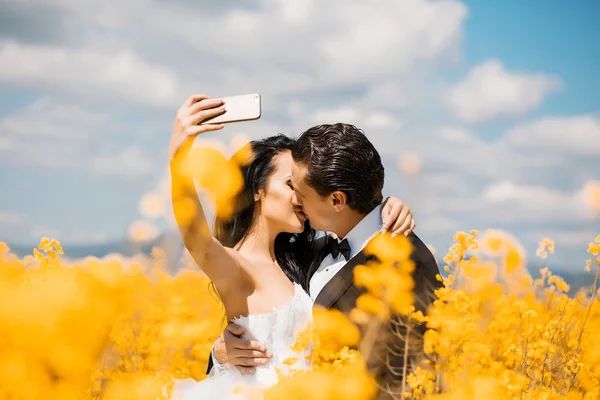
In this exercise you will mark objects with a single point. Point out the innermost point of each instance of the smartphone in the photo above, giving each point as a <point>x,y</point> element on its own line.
<point>245,107</point>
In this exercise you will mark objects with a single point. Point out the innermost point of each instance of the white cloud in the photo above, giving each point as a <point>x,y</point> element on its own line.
<point>47,118</point>
<point>58,4</point>
<point>53,134</point>
<point>507,191</point>
<point>572,135</point>
<point>394,37</point>
<point>9,218</point>
<point>535,152</point>
<point>326,46</point>
<point>531,202</point>
<point>130,162</point>
<point>446,182</point>
<point>379,126</point>
<point>86,72</point>
<point>38,232</point>
<point>562,237</point>
<point>379,119</point>
<point>455,135</point>
<point>396,93</point>
<point>489,92</point>
<point>438,223</point>
<point>458,150</point>
<point>6,144</point>
<point>82,237</point>
<point>295,109</point>
<point>278,46</point>
<point>297,12</point>
<point>334,115</point>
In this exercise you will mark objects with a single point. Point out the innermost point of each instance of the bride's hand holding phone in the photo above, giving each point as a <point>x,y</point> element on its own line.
<point>188,121</point>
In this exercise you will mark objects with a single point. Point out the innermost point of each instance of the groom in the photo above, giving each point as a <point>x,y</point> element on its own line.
<point>338,180</point>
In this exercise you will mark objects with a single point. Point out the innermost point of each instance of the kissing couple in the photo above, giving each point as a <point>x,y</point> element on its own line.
<point>307,210</point>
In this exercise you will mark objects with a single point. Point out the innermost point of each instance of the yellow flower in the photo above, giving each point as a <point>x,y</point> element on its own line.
<point>359,316</point>
<point>136,386</point>
<point>372,305</point>
<point>353,384</point>
<point>561,285</point>
<point>513,260</point>
<point>220,178</point>
<point>143,231</point>
<point>152,206</point>
<point>545,246</point>
<point>243,156</point>
<point>590,193</point>
<point>334,330</point>
<point>126,328</point>
<point>410,163</point>
<point>494,243</point>
<point>594,249</point>
<point>389,249</point>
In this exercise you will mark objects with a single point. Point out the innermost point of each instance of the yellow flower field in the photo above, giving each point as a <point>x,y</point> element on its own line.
<point>113,330</point>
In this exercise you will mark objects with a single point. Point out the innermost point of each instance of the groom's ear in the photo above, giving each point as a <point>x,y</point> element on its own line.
<point>338,200</point>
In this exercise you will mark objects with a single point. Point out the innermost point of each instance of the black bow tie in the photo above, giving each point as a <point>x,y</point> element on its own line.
<point>335,249</point>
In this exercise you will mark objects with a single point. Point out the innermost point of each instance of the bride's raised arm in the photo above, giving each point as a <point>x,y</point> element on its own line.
<point>397,217</point>
<point>207,252</point>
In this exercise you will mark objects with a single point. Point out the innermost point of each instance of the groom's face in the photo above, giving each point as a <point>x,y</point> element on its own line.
<point>319,210</point>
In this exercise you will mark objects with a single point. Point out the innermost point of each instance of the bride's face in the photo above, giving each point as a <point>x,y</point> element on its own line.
<point>276,201</point>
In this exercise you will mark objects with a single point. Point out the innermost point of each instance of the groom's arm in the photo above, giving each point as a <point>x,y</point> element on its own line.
<point>243,354</point>
<point>218,355</point>
<point>212,360</point>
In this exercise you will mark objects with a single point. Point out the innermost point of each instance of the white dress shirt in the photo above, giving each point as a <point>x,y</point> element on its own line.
<point>357,238</point>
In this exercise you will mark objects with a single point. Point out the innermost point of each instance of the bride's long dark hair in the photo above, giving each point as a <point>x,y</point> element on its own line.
<point>293,251</point>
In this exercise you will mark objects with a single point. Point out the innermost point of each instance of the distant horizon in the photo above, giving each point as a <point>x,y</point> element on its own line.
<point>127,248</point>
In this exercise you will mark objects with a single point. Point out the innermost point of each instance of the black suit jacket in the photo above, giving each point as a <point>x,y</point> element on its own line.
<point>386,361</point>
<point>340,293</point>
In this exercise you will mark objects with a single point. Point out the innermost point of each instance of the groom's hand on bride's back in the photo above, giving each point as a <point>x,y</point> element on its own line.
<point>243,354</point>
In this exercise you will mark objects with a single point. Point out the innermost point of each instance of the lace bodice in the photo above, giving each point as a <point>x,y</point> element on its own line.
<point>277,331</point>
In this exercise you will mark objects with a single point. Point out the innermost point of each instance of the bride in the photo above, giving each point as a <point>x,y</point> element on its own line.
<point>257,259</point>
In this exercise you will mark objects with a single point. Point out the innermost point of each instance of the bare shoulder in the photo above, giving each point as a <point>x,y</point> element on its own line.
<point>234,276</point>
<point>220,253</point>
<point>224,266</point>
<point>237,263</point>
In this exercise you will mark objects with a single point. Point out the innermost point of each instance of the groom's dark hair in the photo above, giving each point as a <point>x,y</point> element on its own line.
<point>339,157</point>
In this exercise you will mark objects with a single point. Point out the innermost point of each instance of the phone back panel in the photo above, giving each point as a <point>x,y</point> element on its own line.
<point>238,108</point>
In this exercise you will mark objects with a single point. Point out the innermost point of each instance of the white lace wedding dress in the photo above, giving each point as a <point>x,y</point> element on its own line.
<point>277,331</point>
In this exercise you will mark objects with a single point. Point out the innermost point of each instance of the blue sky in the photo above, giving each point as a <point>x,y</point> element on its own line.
<point>554,36</point>
<point>499,102</point>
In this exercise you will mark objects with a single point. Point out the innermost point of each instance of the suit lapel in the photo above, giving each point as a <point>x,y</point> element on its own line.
<point>340,282</point>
